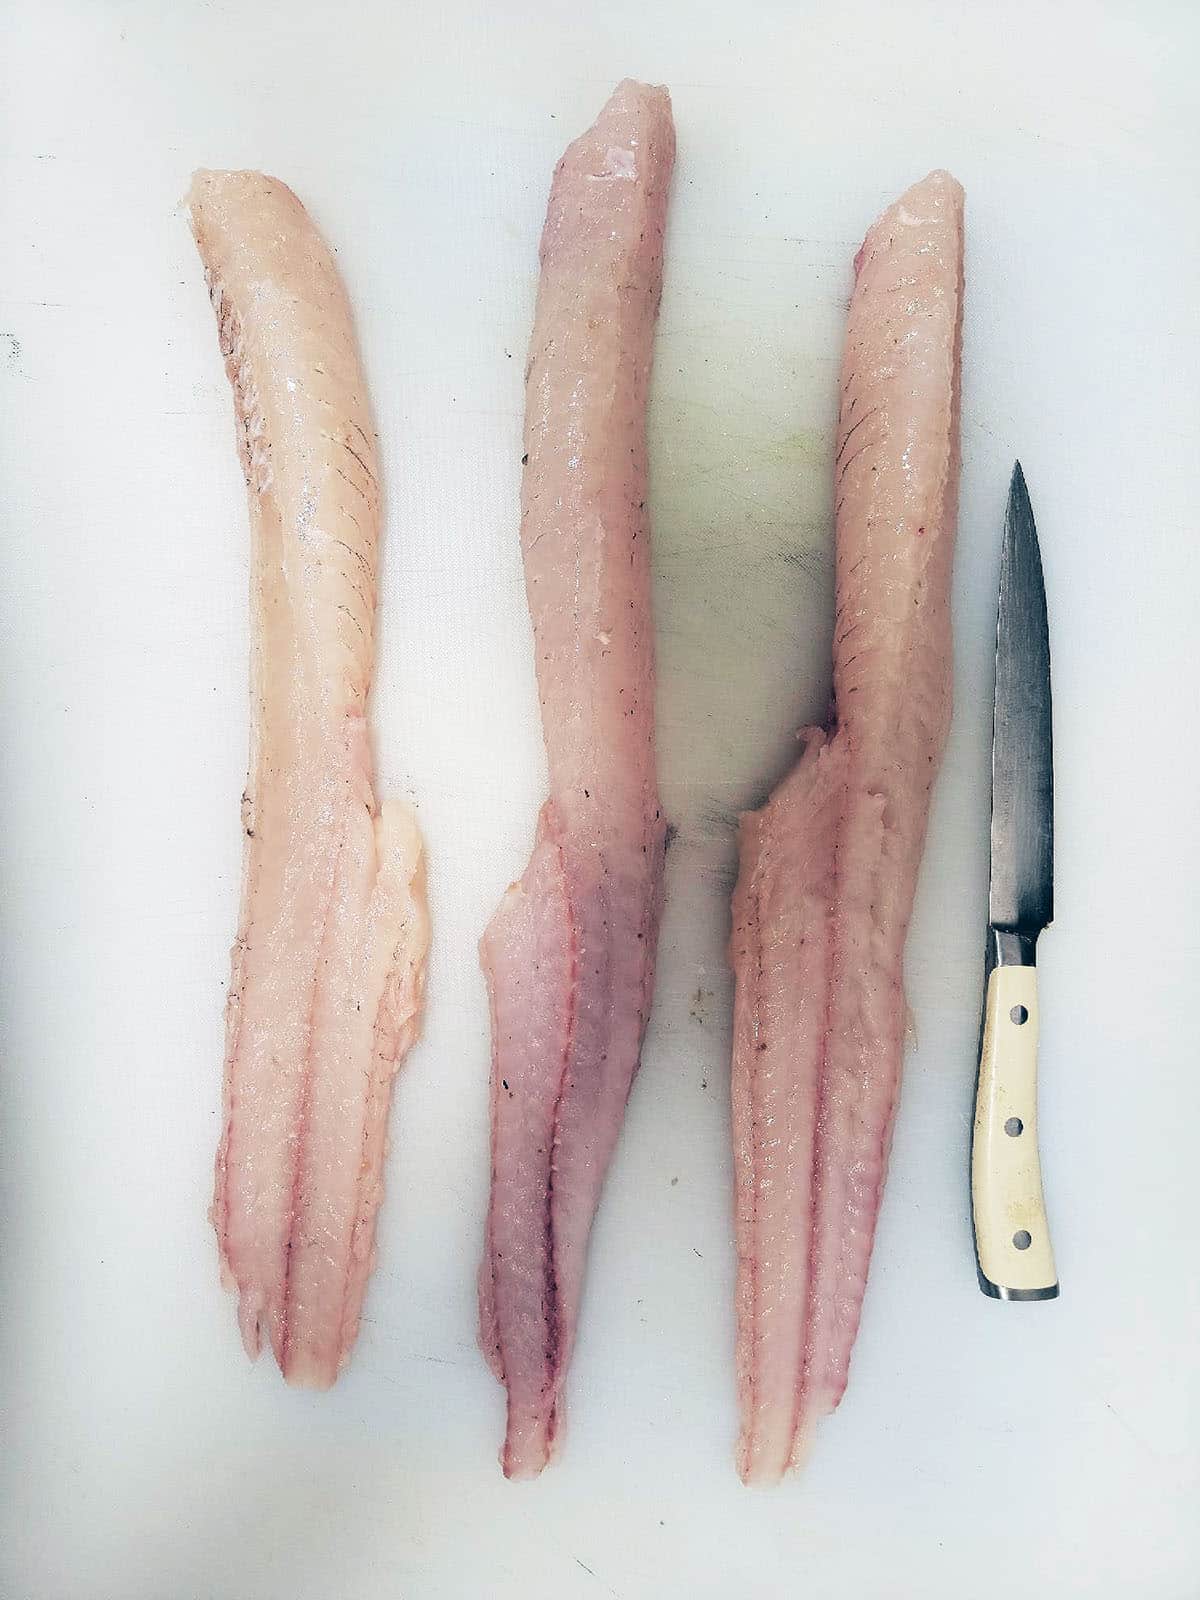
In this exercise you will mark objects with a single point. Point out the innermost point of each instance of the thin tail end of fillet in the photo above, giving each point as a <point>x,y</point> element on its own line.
<point>759,1472</point>
<point>399,927</point>
<point>530,1439</point>
<point>530,1428</point>
<point>528,954</point>
<point>780,951</point>
<point>390,967</point>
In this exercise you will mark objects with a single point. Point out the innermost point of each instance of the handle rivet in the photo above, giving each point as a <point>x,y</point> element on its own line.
<point>1022,1240</point>
<point>1019,1015</point>
<point>1014,1127</point>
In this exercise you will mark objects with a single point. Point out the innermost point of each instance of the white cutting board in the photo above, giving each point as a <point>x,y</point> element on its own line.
<point>983,1449</point>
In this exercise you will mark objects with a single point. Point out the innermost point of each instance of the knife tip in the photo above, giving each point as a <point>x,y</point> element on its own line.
<point>1019,507</point>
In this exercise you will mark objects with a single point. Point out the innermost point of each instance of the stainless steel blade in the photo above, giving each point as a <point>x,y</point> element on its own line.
<point>1022,887</point>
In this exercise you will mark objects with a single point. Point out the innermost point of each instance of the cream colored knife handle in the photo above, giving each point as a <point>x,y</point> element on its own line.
<point>1012,1238</point>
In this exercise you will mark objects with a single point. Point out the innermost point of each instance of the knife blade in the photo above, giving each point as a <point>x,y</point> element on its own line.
<point>1013,1252</point>
<point>1021,896</point>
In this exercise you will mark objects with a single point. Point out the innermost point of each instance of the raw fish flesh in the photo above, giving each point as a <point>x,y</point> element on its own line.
<point>329,963</point>
<point>829,865</point>
<point>569,955</point>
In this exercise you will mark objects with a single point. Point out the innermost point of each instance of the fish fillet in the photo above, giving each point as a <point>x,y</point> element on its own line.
<point>829,866</point>
<point>569,955</point>
<point>328,967</point>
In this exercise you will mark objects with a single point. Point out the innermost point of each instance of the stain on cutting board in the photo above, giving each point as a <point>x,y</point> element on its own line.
<point>741,427</point>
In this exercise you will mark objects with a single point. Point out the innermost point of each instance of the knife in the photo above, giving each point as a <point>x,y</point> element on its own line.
<point>1013,1253</point>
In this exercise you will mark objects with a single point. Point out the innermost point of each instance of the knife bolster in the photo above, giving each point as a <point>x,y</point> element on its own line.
<point>1012,1236</point>
<point>1007,947</point>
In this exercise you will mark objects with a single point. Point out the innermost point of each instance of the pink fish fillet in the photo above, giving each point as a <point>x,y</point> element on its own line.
<point>569,955</point>
<point>829,865</point>
<point>328,968</point>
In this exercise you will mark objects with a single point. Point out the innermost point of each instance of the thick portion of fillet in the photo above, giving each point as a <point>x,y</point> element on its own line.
<point>569,956</point>
<point>328,968</point>
<point>829,866</point>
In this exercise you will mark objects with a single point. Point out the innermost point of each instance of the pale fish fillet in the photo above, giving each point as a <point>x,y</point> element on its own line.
<point>328,968</point>
<point>829,865</point>
<point>569,956</point>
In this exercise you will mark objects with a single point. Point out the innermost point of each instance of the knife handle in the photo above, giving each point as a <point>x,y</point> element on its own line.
<point>1012,1236</point>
